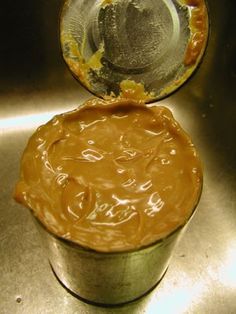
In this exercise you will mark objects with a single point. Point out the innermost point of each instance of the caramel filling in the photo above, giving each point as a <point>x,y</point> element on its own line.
<point>111,175</point>
<point>199,31</point>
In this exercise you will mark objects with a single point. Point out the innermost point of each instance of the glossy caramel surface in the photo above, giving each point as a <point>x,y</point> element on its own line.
<point>111,175</point>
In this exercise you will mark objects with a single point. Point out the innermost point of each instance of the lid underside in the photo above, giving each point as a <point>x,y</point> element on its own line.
<point>133,48</point>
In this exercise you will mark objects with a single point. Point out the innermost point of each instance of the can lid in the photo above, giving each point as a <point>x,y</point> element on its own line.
<point>133,48</point>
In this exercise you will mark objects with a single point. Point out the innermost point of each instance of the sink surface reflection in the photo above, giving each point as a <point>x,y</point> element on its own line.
<point>35,84</point>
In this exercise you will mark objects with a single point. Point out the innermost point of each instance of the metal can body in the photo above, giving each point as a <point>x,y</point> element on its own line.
<point>108,278</point>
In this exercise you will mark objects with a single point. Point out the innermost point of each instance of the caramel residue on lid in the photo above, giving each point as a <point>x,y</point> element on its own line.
<point>199,31</point>
<point>111,175</point>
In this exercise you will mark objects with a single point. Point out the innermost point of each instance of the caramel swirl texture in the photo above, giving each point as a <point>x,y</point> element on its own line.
<point>111,175</point>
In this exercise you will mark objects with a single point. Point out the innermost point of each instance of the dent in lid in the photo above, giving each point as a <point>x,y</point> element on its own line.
<point>111,175</point>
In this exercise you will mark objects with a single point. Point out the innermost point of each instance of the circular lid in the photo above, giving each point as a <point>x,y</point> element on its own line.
<point>133,48</point>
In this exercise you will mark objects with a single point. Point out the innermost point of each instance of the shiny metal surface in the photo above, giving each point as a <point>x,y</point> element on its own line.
<point>108,278</point>
<point>35,84</point>
<point>105,43</point>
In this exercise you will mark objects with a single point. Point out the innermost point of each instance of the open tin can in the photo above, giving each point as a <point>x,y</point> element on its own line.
<point>97,56</point>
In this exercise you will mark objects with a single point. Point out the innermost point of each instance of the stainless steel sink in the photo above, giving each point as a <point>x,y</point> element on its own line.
<point>35,84</point>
